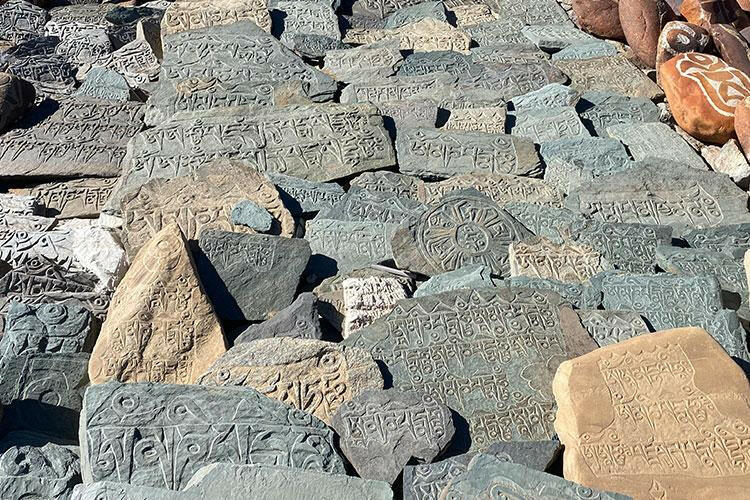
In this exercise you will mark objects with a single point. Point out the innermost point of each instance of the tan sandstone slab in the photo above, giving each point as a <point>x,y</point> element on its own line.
<point>161,327</point>
<point>663,416</point>
<point>540,257</point>
<point>195,14</point>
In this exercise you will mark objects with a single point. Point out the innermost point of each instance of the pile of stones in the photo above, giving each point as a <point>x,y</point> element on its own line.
<point>369,249</point>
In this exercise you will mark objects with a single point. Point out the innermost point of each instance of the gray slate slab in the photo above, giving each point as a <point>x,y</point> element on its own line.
<point>570,161</point>
<point>48,471</point>
<point>548,124</point>
<point>416,12</point>
<point>303,196</point>
<point>730,238</point>
<point>551,37</point>
<point>363,205</point>
<point>103,83</point>
<point>550,96</point>
<point>469,276</point>
<point>600,109</point>
<point>580,296</point>
<point>585,50</point>
<point>298,320</point>
<point>610,327</point>
<point>252,215</point>
<point>656,140</point>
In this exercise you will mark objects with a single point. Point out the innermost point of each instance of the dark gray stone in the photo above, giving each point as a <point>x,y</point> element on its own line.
<point>365,63</point>
<point>250,214</point>
<point>397,88</point>
<point>551,38</point>
<point>541,12</point>
<point>656,140</point>
<point>381,453</point>
<point>411,113</point>
<point>550,222</point>
<point>468,349</point>
<point>313,47</point>
<point>548,124</point>
<point>21,20</point>
<point>43,472</point>
<point>610,74</point>
<point>298,320</point>
<point>439,61</point>
<point>379,9</point>
<point>733,239</point>
<point>501,31</point>
<point>250,276</point>
<point>610,327</point>
<point>405,186</point>
<point>512,80</point>
<point>234,425</point>
<point>470,276</point>
<point>585,50</point>
<point>600,110</point>
<point>550,96</point>
<point>502,54</point>
<point>414,13</point>
<point>362,205</point>
<point>103,83</point>
<point>303,196</point>
<point>16,97</point>
<point>439,153</point>
<point>303,18</point>
<point>580,296</point>
<point>500,188</point>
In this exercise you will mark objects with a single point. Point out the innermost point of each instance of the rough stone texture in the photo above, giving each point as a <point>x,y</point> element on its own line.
<point>610,74</point>
<point>425,35</point>
<point>551,38</point>
<point>410,113</point>
<point>732,47</point>
<point>21,20</point>
<point>400,185</point>
<point>367,299</point>
<point>727,269</point>
<point>500,188</point>
<point>600,110</point>
<point>552,95</point>
<point>679,37</point>
<point>298,320</point>
<point>599,17</point>
<point>103,83</point>
<point>16,95</point>
<point>694,374</point>
<point>43,472</point>
<point>656,140</point>
<point>234,425</point>
<point>396,88</point>
<point>611,327</point>
<point>365,63</point>
<point>588,50</point>
<point>506,379</point>
<point>199,202</point>
<point>580,296</point>
<point>470,276</point>
<point>463,228</point>
<point>412,13</point>
<point>303,18</point>
<point>250,214</point>
<point>703,92</point>
<point>197,14</point>
<point>20,204</point>
<point>490,120</point>
<point>425,429</point>
<point>302,196</point>
<point>35,60</point>
<point>438,153</point>
<point>84,197</point>
<point>161,326</point>
<point>135,61</point>
<point>539,257</point>
<point>362,205</point>
<point>729,160</point>
<point>642,22</point>
<point>548,124</point>
<point>250,276</point>
<point>313,376</point>
<point>424,63</point>
<point>730,238</point>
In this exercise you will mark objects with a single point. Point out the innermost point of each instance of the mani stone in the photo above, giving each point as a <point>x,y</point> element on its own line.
<point>230,65</point>
<point>365,63</point>
<point>74,198</point>
<point>410,113</point>
<point>551,38</point>
<point>21,20</point>
<point>396,88</point>
<point>304,18</point>
<point>299,320</point>
<point>610,74</point>
<point>236,425</point>
<point>488,476</point>
<point>411,13</point>
<point>197,14</point>
<point>586,50</point>
<point>426,481</point>
<point>470,276</point>
<point>727,269</point>
<point>463,228</point>
<point>82,137</point>
<point>45,472</point>
<point>599,110</point>
<point>161,325</point>
<point>539,257</point>
<point>472,14</point>
<point>202,201</point>
<point>301,196</point>
<point>367,299</point>
<point>542,12</point>
<point>498,32</point>
<point>630,247</point>
<point>656,140</point>
<point>135,61</point>
<point>399,185</point>
<point>500,188</point>
<point>345,245</point>
<point>571,161</point>
<point>424,429</point>
<point>362,205</point>
<point>380,9</point>
<point>694,404</point>
<point>687,198</point>
<point>250,214</point>
<point>550,96</point>
<point>312,376</point>
<point>548,124</point>
<point>730,238</point>
<point>481,353</point>
<point>579,296</point>
<point>438,153</point>
<point>490,120</point>
<point>250,276</point>
<point>20,204</point>
<point>512,80</point>
<point>318,142</point>
<point>611,327</point>
<point>16,96</point>
<point>424,63</point>
<point>425,35</point>
<point>103,83</point>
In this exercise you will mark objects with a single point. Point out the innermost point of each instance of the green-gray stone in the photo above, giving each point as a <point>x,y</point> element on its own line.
<point>469,276</point>
<point>249,214</point>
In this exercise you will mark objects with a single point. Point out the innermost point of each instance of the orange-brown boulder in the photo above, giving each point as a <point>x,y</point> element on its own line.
<point>599,17</point>
<point>742,124</point>
<point>679,37</point>
<point>703,92</point>
<point>660,416</point>
<point>704,13</point>
<point>642,21</point>
<point>732,46</point>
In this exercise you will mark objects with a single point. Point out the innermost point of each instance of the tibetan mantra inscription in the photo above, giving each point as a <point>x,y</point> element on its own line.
<point>664,415</point>
<point>160,434</point>
<point>488,354</point>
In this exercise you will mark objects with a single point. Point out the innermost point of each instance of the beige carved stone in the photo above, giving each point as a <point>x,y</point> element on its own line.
<point>659,416</point>
<point>202,201</point>
<point>186,15</point>
<point>367,299</point>
<point>425,35</point>
<point>540,257</point>
<point>490,119</point>
<point>473,14</point>
<point>161,327</point>
<point>311,375</point>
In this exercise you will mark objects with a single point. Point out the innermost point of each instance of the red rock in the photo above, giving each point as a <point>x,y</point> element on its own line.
<point>642,21</point>
<point>732,47</point>
<point>742,124</point>
<point>703,92</point>
<point>704,13</point>
<point>599,17</point>
<point>679,37</point>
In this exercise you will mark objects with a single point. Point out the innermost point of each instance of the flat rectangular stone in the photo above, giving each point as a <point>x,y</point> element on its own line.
<point>729,270</point>
<point>611,327</point>
<point>554,95</point>
<point>538,257</point>
<point>74,198</point>
<point>586,50</point>
<point>363,64</point>
<point>424,35</point>
<point>362,205</point>
<point>548,124</point>
<point>599,110</point>
<point>542,220</point>
<point>728,238</point>
<point>197,14</point>
<point>613,74</point>
<point>656,140</point>
<point>395,89</point>
<point>500,188</point>
<point>303,196</point>
<point>555,37</point>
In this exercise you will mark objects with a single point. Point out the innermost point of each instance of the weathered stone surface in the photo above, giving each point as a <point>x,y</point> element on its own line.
<point>706,12</point>
<point>438,153</point>
<point>48,471</point>
<point>588,50</point>
<point>161,326</point>
<point>73,198</point>
<point>400,185</point>
<point>552,95</point>
<point>367,299</point>
<point>548,124</point>
<point>20,204</point>
<point>31,223</point>
<point>103,83</point>
<point>490,120</point>
<point>365,63</point>
<point>310,375</point>
<point>551,37</point>
<point>86,45</point>
<point>642,22</point>
<point>135,61</point>
<point>599,110</point>
<point>572,161</point>
<point>542,12</point>
<point>742,123</point>
<point>396,88</point>
<point>484,369</point>
<point>298,320</point>
<point>250,214</point>
<point>471,14</point>
<point>729,160</point>
<point>727,269</point>
<point>487,475</point>
<point>135,415</point>
<point>314,47</point>
<point>470,276</point>
<point>463,228</point>
<point>729,238</point>
<point>21,20</point>
<point>425,35</point>
<point>199,202</point>
<point>362,205</point>
<point>35,61</point>
<point>694,375</point>
<point>580,296</point>
<point>304,18</point>
<point>346,139</point>
<point>539,257</point>
<point>96,303</point>
<point>197,14</point>
<point>250,276</point>
<point>610,74</point>
<point>500,31</point>
<point>302,196</point>
<point>442,61</point>
<point>16,96</point>
<point>611,327</point>
<point>656,140</point>
<point>411,13</point>
<point>500,188</point>
<point>380,9</point>
<point>599,17</point>
<point>410,113</point>
<point>687,198</point>
<point>80,137</point>
<point>512,80</point>
<point>732,46</point>
<point>381,454</point>
<point>703,92</point>
<point>678,37</point>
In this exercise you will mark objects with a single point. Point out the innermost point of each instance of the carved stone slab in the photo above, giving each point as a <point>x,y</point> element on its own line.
<point>488,354</point>
<point>308,18</point>
<point>500,31</point>
<point>21,20</point>
<point>424,35</point>
<point>461,229</point>
<point>367,299</point>
<point>199,202</point>
<point>400,185</point>
<point>551,37</point>
<point>235,425</point>
<point>51,328</point>
<point>35,60</point>
<point>135,61</point>
<point>600,109</point>
<point>302,196</point>
<point>411,13</point>
<point>365,63</point>
<point>586,50</point>
<point>104,83</point>
<point>396,88</point>
<point>380,9</point>
<point>197,14</point>
<point>439,61</point>
<point>548,124</point>
<point>471,276</point>
<point>362,205</point>
<point>728,238</point>
<point>656,140</point>
<point>48,471</point>
<point>74,198</point>
<point>250,276</point>
<point>580,296</point>
<point>20,204</point>
<point>542,12</point>
<point>299,320</point>
<point>513,80</point>
<point>500,188</point>
<point>698,261</point>
<point>490,120</point>
<point>694,400</point>
<point>313,376</point>
<point>381,451</point>
<point>161,326</point>
<point>438,153</point>
<point>612,74</point>
<point>410,113</point>
<point>611,327</point>
<point>541,258</point>
<point>552,95</point>
<point>82,137</point>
